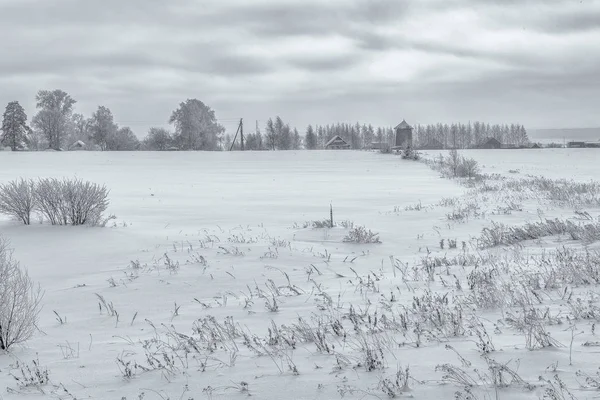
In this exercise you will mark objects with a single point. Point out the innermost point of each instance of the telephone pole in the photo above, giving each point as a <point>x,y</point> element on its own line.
<point>242,131</point>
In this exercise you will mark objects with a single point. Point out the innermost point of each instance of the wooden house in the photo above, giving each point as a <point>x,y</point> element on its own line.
<point>594,145</point>
<point>78,145</point>
<point>490,143</point>
<point>590,145</point>
<point>337,143</point>
<point>378,145</point>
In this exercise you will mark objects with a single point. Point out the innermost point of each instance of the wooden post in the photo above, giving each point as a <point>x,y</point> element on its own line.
<point>331,215</point>
<point>235,137</point>
<point>242,132</point>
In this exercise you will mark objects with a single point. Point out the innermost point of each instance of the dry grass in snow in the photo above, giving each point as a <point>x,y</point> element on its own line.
<point>232,282</point>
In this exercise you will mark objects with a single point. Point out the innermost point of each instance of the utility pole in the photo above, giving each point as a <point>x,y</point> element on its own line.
<point>242,131</point>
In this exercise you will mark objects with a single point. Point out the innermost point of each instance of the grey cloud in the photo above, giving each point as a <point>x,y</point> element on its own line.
<point>576,20</point>
<point>128,52</point>
<point>324,63</point>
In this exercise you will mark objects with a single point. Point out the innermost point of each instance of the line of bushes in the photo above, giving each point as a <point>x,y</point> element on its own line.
<point>58,201</point>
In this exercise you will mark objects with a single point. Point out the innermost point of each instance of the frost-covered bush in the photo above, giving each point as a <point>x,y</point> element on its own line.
<point>60,202</point>
<point>411,154</point>
<point>85,201</point>
<point>71,201</point>
<point>455,166</point>
<point>360,234</point>
<point>50,202</point>
<point>468,168</point>
<point>20,301</point>
<point>17,199</point>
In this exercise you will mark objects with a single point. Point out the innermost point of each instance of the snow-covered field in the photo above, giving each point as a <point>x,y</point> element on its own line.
<point>217,288</point>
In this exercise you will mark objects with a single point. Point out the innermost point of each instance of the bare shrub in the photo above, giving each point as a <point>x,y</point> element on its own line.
<point>71,201</point>
<point>50,201</point>
<point>360,234</point>
<point>20,301</point>
<point>17,199</point>
<point>468,168</point>
<point>85,201</point>
<point>455,166</point>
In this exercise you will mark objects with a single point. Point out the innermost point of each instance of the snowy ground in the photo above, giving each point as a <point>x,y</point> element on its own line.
<point>220,291</point>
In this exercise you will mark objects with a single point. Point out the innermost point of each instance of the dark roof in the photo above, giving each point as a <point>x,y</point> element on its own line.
<point>403,125</point>
<point>336,138</point>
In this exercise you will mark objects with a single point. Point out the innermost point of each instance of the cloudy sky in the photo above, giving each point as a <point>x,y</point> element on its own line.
<point>536,62</point>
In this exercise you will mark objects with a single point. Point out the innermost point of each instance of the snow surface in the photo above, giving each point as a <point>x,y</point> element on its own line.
<point>243,213</point>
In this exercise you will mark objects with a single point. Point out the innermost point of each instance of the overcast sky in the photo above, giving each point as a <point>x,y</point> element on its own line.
<point>536,62</point>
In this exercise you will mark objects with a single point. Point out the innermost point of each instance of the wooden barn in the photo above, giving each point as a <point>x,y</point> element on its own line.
<point>433,144</point>
<point>404,136</point>
<point>78,145</point>
<point>337,143</point>
<point>491,143</point>
<point>378,145</point>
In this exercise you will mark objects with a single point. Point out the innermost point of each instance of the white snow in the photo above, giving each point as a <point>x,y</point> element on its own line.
<point>242,212</point>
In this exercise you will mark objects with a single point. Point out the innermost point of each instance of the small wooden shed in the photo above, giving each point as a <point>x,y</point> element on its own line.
<point>78,145</point>
<point>491,143</point>
<point>404,135</point>
<point>337,143</point>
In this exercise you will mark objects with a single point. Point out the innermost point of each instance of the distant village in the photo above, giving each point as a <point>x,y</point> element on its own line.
<point>404,139</point>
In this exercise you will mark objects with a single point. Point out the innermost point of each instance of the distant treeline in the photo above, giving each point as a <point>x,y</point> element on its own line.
<point>196,127</point>
<point>279,135</point>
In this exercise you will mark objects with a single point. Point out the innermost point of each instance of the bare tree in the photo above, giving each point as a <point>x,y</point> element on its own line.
<point>54,116</point>
<point>102,127</point>
<point>20,301</point>
<point>17,199</point>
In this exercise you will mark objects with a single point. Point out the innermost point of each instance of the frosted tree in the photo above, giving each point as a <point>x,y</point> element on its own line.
<point>271,134</point>
<point>14,127</point>
<point>102,127</point>
<point>158,139</point>
<point>310,139</point>
<point>522,137</point>
<point>53,118</point>
<point>196,126</point>
<point>123,139</point>
<point>283,134</point>
<point>296,140</point>
<point>78,129</point>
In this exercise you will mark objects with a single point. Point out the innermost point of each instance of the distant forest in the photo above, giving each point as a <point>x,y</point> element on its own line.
<point>195,126</point>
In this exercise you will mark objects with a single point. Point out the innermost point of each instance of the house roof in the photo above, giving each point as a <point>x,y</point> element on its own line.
<point>403,125</point>
<point>334,139</point>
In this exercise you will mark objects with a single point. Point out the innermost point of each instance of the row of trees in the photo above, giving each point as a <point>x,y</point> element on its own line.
<point>462,136</point>
<point>279,135</point>
<point>57,126</point>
